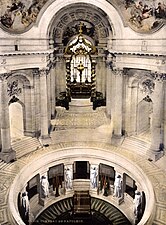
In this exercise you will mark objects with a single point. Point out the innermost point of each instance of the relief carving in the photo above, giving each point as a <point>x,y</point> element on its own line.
<point>13,88</point>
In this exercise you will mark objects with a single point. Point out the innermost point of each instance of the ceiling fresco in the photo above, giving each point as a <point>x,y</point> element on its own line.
<point>142,16</point>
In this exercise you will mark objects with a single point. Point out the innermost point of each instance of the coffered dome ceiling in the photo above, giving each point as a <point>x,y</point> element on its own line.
<point>142,16</point>
<point>66,23</point>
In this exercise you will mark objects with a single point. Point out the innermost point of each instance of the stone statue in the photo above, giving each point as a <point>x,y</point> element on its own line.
<point>25,206</point>
<point>44,185</point>
<point>93,177</point>
<point>68,178</point>
<point>137,204</point>
<point>118,186</point>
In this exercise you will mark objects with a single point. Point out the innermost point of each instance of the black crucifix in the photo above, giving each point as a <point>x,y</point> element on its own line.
<point>80,68</point>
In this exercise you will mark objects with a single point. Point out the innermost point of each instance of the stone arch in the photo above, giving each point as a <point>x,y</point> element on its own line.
<point>22,95</point>
<point>49,13</point>
<point>17,103</point>
<point>17,119</point>
<point>69,18</point>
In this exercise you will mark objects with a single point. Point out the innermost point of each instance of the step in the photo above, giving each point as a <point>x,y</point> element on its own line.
<point>25,146</point>
<point>137,145</point>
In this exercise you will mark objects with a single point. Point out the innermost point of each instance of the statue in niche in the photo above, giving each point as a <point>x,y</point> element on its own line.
<point>93,177</point>
<point>118,186</point>
<point>137,204</point>
<point>44,186</point>
<point>25,207</point>
<point>68,178</point>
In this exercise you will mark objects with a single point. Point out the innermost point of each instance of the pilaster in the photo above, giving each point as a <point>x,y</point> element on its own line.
<point>43,105</point>
<point>37,100</point>
<point>117,115</point>
<point>53,96</point>
<point>7,154</point>
<point>109,86</point>
<point>156,151</point>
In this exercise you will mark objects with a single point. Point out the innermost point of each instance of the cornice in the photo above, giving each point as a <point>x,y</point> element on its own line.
<point>22,53</point>
<point>116,53</point>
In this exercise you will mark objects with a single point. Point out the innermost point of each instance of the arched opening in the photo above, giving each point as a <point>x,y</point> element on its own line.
<point>16,120</point>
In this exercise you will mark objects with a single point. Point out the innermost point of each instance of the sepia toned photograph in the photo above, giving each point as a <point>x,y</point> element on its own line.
<point>82,112</point>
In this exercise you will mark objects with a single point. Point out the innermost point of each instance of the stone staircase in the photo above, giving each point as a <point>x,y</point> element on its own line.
<point>135,144</point>
<point>25,146</point>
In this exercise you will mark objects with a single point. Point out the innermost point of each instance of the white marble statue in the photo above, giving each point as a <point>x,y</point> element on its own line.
<point>118,186</point>
<point>137,203</point>
<point>25,204</point>
<point>93,177</point>
<point>68,178</point>
<point>44,185</point>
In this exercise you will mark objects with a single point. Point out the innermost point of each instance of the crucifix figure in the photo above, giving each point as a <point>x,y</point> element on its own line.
<point>80,68</point>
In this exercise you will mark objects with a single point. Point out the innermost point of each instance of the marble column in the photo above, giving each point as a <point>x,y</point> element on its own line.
<point>99,74</point>
<point>117,119</point>
<point>37,100</point>
<point>165,115</point>
<point>43,104</point>
<point>7,154</point>
<point>155,152</point>
<point>52,74</point>
<point>93,79</point>
<point>109,87</point>
<point>29,104</point>
<point>49,98</point>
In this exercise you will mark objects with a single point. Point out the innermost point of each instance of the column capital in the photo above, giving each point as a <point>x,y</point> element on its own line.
<point>35,72</point>
<point>118,72</point>
<point>43,71</point>
<point>4,76</point>
<point>110,61</point>
<point>157,76</point>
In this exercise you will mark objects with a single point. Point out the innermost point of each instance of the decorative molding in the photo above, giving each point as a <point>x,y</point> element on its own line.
<point>35,72</point>
<point>15,53</point>
<point>118,72</point>
<point>158,76</point>
<point>4,76</point>
<point>44,71</point>
<point>137,53</point>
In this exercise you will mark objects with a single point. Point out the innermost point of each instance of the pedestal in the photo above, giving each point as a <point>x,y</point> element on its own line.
<point>8,156</point>
<point>155,156</point>
<point>117,140</point>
